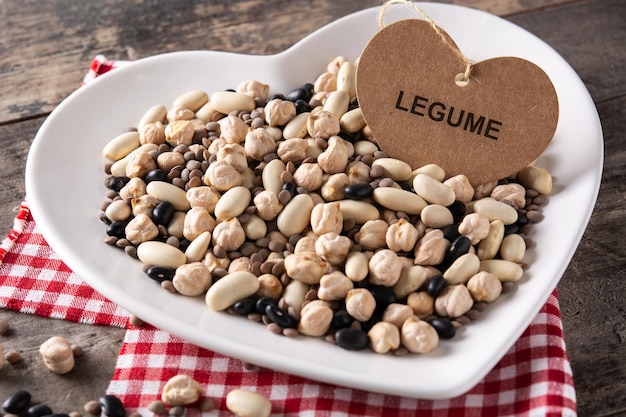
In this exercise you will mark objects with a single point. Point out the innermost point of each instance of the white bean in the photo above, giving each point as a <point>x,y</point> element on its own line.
<point>231,288</point>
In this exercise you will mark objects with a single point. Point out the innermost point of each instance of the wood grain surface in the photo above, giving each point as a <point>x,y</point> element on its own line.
<point>47,46</point>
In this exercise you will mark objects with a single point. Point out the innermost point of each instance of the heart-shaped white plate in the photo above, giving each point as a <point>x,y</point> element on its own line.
<point>64,179</point>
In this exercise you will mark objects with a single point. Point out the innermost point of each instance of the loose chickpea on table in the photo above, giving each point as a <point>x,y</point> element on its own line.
<point>282,209</point>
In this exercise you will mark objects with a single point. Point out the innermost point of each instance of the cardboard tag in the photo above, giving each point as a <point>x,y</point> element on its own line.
<point>489,129</point>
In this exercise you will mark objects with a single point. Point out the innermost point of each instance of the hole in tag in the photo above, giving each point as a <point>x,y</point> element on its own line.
<point>461,80</point>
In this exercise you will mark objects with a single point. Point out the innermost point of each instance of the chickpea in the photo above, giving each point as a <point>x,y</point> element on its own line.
<point>333,248</point>
<point>307,267</point>
<point>197,220</point>
<point>385,268</point>
<point>279,112</point>
<point>322,124</point>
<point>335,158</point>
<point>258,143</point>
<point>256,89</point>
<point>333,188</point>
<point>484,287</point>
<point>292,150</point>
<point>222,176</point>
<point>308,176</point>
<point>372,235</point>
<point>233,129</point>
<point>401,236</point>
<point>141,229</point>
<point>454,301</point>
<point>326,218</point>
<point>422,303</point>
<point>315,318</point>
<point>360,304</point>
<point>267,205</point>
<point>475,227</point>
<point>384,337</point>
<point>418,336</point>
<point>461,186</point>
<point>334,286</point>
<point>431,249</point>
<point>229,234</point>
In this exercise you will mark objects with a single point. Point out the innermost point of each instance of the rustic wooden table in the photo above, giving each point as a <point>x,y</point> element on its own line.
<point>46,47</point>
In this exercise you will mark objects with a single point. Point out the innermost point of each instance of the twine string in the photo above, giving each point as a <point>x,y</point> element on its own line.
<point>464,60</point>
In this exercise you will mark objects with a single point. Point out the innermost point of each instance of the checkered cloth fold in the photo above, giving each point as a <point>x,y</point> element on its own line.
<point>534,378</point>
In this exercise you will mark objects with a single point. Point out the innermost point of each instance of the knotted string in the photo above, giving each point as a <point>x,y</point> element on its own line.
<point>466,62</point>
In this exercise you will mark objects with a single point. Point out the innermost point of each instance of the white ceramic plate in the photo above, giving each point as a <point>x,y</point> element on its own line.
<point>64,179</point>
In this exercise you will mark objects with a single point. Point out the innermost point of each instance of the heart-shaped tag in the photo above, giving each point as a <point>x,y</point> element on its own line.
<point>488,129</point>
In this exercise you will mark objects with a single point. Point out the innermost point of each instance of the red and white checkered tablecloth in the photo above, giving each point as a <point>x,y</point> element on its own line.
<point>533,379</point>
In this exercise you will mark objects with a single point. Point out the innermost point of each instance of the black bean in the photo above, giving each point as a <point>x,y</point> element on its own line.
<point>451,232</point>
<point>39,410</point>
<point>17,402</point>
<point>117,229</point>
<point>383,297</point>
<point>460,246</point>
<point>358,191</point>
<point>444,327</point>
<point>183,244</point>
<point>245,306</point>
<point>276,96</point>
<point>112,406</point>
<point>435,285</point>
<point>458,210</point>
<point>302,106</point>
<point>116,183</point>
<point>351,339</point>
<point>341,319</point>
<point>291,188</point>
<point>163,213</point>
<point>155,175</point>
<point>263,302</point>
<point>510,229</point>
<point>280,317</point>
<point>160,273</point>
<point>301,93</point>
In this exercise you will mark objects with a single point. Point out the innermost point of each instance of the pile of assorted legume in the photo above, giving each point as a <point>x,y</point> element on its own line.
<point>283,209</point>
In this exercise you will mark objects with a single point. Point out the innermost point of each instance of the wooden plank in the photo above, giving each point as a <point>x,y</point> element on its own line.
<point>591,291</point>
<point>15,140</point>
<point>47,46</point>
<point>593,45</point>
